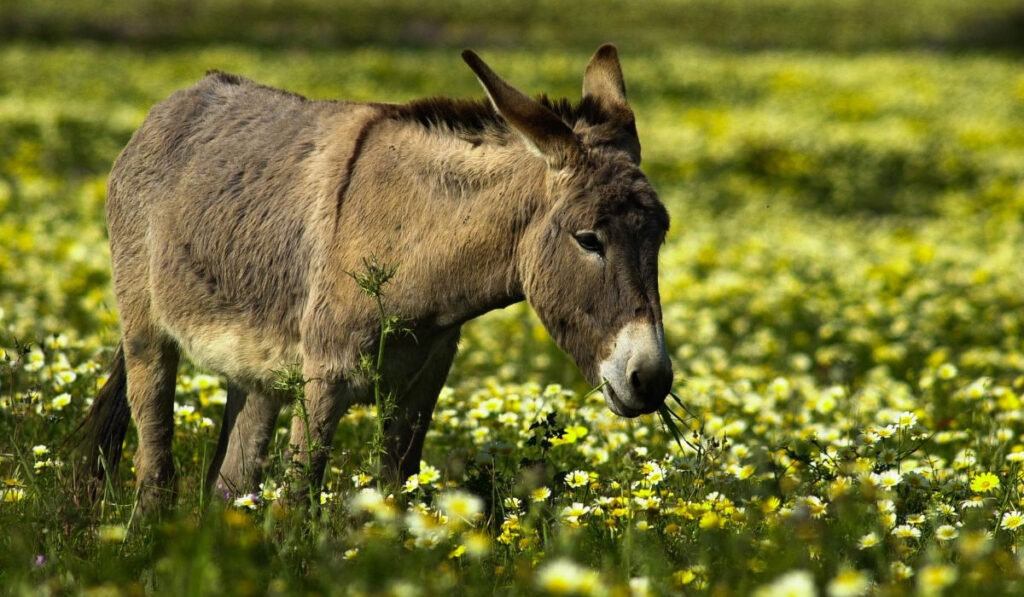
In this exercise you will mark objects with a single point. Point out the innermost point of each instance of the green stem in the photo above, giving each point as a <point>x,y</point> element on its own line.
<point>381,414</point>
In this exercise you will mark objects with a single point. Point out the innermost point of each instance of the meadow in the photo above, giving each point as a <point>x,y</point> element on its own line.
<point>843,302</point>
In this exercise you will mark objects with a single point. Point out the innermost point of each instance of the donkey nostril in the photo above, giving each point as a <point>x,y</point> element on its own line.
<point>636,382</point>
<point>650,384</point>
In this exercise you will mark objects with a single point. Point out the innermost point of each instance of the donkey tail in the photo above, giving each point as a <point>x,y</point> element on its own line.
<point>97,441</point>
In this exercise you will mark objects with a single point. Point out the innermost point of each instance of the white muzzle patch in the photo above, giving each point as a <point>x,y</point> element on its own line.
<point>638,358</point>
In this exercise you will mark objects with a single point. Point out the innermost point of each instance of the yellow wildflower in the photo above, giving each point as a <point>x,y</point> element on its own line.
<point>984,482</point>
<point>934,578</point>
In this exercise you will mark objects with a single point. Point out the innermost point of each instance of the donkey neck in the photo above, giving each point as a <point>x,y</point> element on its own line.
<point>452,217</point>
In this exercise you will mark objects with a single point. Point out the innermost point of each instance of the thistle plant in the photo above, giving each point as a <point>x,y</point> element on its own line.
<point>290,381</point>
<point>371,281</point>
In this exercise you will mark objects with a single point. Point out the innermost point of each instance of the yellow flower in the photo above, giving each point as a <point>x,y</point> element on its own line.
<point>476,544</point>
<point>839,486</point>
<point>887,479</point>
<point>770,504</point>
<point>460,506</point>
<point>798,583</point>
<point>565,577</point>
<point>428,475</point>
<point>1011,520</point>
<point>13,494</point>
<point>640,587</point>
<point>682,578</point>
<point>710,520</point>
<point>577,479</point>
<point>61,401</point>
<point>780,387</point>
<point>869,540</point>
<point>570,435</point>
<point>112,533</point>
<point>973,502</point>
<point>573,513</point>
<point>984,482</point>
<point>901,571</point>
<point>247,501</point>
<point>905,531</point>
<point>653,472</point>
<point>934,578</point>
<point>540,494</point>
<point>815,507</point>
<point>975,544</point>
<point>369,500</point>
<point>457,552</point>
<point>946,532</point>
<point>849,583</point>
<point>742,473</point>
<point>906,419</point>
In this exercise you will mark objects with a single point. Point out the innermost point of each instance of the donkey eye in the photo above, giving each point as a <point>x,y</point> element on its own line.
<point>589,241</point>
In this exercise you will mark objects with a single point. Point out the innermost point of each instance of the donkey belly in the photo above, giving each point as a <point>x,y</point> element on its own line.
<point>249,356</point>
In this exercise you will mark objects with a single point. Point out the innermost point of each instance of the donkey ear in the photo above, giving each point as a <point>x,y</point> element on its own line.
<point>603,84</point>
<point>542,129</point>
<point>603,80</point>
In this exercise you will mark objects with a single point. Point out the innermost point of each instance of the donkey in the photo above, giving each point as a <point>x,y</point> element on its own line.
<point>237,211</point>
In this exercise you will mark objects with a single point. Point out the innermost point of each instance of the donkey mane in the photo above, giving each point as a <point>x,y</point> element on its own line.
<point>474,119</point>
<point>478,118</point>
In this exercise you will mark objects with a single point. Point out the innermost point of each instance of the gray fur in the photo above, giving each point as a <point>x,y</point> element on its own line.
<point>236,212</point>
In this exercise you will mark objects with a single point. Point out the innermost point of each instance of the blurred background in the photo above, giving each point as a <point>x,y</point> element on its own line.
<point>844,176</point>
<point>846,185</point>
<point>844,25</point>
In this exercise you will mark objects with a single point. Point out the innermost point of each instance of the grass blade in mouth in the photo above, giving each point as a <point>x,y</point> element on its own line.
<point>672,420</point>
<point>666,415</point>
<point>595,389</point>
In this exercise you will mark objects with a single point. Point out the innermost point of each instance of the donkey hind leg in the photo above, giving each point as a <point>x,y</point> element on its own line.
<point>249,421</point>
<point>151,364</point>
<point>408,425</point>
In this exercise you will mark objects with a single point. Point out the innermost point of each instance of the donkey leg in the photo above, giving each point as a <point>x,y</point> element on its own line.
<point>407,428</point>
<point>249,420</point>
<point>312,432</point>
<point>233,405</point>
<point>151,364</point>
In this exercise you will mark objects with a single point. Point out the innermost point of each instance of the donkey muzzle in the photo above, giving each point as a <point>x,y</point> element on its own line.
<point>637,373</point>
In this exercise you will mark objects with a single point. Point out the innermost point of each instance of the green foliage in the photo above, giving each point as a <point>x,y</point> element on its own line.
<point>736,24</point>
<point>841,294</point>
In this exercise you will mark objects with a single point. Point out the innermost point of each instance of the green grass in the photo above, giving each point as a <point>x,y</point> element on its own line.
<point>841,290</point>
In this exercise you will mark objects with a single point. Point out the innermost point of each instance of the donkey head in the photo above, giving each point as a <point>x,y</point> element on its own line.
<point>589,260</point>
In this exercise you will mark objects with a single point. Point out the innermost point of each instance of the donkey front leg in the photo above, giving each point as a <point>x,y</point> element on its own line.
<point>314,422</point>
<point>249,420</point>
<point>151,363</point>
<point>408,425</point>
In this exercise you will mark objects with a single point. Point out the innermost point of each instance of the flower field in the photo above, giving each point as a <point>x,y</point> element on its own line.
<point>843,299</point>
